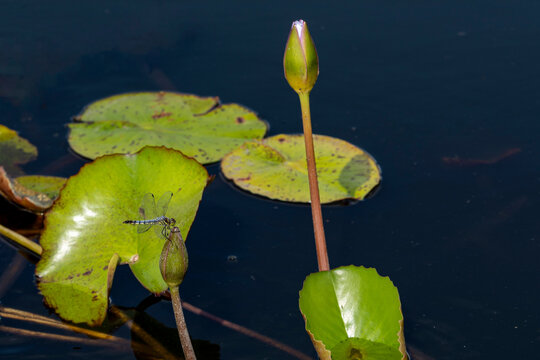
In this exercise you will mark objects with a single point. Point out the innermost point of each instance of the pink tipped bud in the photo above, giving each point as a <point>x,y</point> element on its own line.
<point>300,62</point>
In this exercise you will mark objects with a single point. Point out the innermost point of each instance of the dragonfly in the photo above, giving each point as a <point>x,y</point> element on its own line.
<point>154,214</point>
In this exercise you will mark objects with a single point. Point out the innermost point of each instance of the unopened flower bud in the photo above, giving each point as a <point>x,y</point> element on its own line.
<point>173,262</point>
<point>300,62</point>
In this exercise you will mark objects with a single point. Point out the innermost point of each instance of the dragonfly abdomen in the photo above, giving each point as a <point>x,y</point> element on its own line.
<point>163,220</point>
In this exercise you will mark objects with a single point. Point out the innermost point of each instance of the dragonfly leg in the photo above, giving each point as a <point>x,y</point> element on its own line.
<point>164,232</point>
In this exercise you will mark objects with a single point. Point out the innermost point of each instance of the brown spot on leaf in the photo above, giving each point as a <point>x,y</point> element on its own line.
<point>88,272</point>
<point>240,120</point>
<point>245,179</point>
<point>161,114</point>
<point>355,354</point>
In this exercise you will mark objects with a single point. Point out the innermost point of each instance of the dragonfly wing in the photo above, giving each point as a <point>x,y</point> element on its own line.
<point>147,211</point>
<point>161,210</point>
<point>163,203</point>
<point>143,227</point>
<point>159,230</point>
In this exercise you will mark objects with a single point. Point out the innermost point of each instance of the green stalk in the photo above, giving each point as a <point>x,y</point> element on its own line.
<point>21,240</point>
<point>187,347</point>
<point>318,227</point>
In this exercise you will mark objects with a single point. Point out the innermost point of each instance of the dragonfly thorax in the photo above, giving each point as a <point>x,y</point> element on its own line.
<point>170,221</point>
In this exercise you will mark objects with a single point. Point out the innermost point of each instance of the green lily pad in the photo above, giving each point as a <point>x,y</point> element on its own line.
<point>14,150</point>
<point>353,313</point>
<point>48,185</point>
<point>34,193</point>
<point>85,237</point>
<point>276,168</point>
<point>200,127</point>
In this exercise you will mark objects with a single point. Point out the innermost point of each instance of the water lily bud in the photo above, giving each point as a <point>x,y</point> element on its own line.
<point>173,262</point>
<point>300,62</point>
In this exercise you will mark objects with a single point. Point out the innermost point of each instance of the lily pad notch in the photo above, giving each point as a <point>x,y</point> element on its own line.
<point>85,237</point>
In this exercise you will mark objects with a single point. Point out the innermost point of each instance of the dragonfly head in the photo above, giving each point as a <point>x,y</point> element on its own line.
<point>172,221</point>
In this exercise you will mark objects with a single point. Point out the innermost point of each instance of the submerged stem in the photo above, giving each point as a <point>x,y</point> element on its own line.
<point>187,347</point>
<point>318,227</point>
<point>21,240</point>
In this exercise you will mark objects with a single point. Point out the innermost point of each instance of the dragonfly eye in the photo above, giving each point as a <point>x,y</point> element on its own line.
<point>173,221</point>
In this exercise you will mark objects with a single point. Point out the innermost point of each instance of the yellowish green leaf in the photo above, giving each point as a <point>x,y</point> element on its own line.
<point>34,193</point>
<point>48,185</point>
<point>276,168</point>
<point>85,236</point>
<point>200,127</point>
<point>14,150</point>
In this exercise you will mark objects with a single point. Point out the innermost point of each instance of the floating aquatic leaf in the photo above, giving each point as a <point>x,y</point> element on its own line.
<point>34,193</point>
<point>48,185</point>
<point>14,150</point>
<point>353,313</point>
<point>85,237</point>
<point>276,167</point>
<point>200,127</point>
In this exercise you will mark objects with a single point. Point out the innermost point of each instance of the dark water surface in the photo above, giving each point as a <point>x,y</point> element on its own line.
<point>415,83</point>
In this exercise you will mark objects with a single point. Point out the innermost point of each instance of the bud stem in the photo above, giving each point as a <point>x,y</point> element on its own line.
<point>318,227</point>
<point>187,347</point>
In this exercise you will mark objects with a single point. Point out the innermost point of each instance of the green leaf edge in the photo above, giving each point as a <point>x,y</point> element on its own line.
<point>321,349</point>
